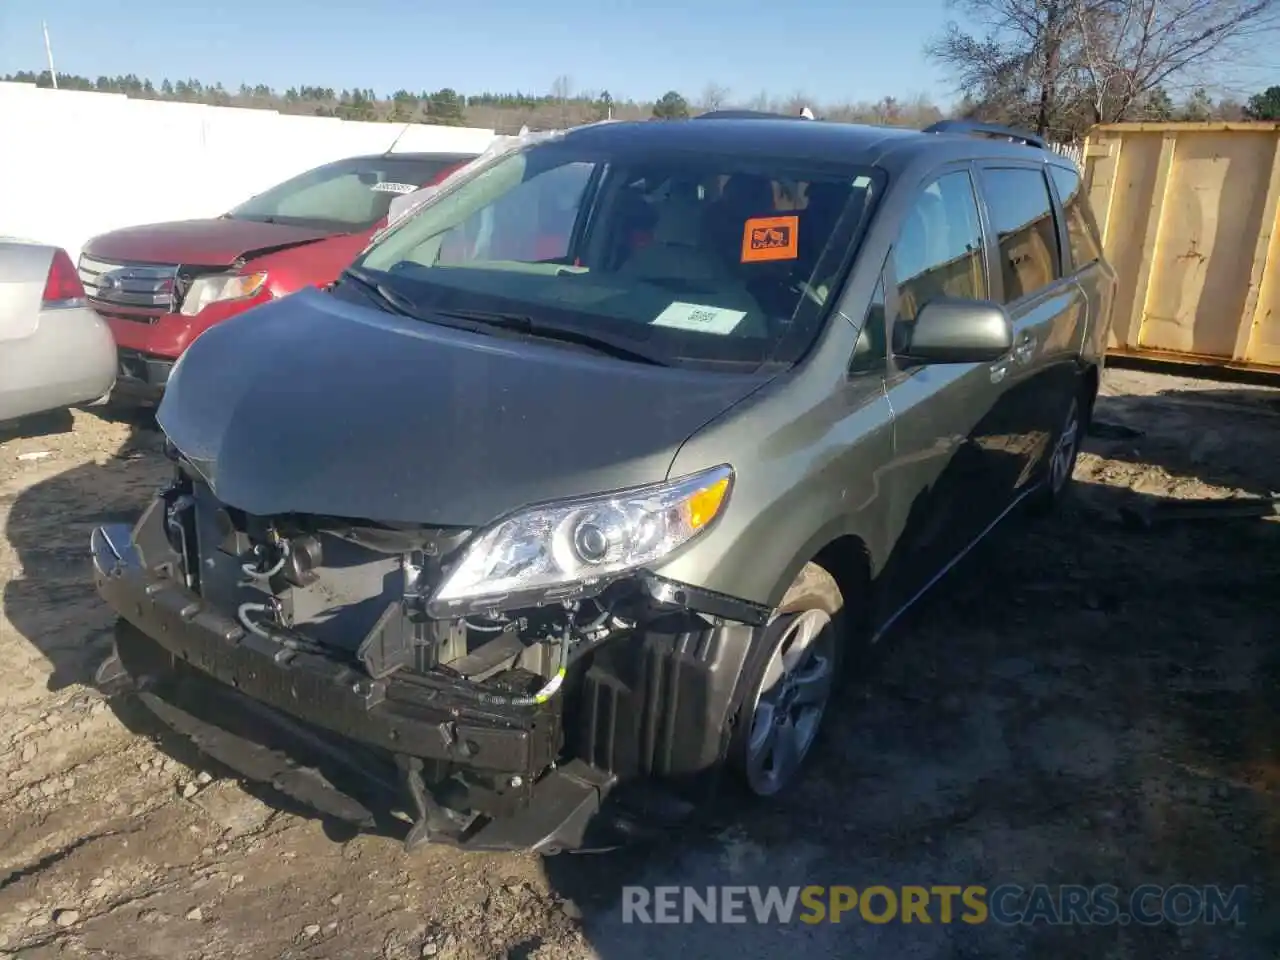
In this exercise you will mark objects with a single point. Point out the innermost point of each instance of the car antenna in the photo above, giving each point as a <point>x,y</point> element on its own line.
<point>391,148</point>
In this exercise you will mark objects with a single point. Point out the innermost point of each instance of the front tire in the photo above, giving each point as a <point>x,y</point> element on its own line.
<point>792,673</point>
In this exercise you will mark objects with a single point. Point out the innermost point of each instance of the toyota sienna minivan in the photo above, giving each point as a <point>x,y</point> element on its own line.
<point>575,495</point>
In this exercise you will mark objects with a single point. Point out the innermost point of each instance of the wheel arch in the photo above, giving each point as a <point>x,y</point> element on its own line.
<point>846,555</point>
<point>1091,383</point>
<point>848,560</point>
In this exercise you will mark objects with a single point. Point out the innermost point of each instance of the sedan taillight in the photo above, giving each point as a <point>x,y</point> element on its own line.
<point>62,288</point>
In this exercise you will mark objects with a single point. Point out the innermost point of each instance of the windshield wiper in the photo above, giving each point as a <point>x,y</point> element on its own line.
<point>386,298</point>
<point>519,323</point>
<point>540,329</point>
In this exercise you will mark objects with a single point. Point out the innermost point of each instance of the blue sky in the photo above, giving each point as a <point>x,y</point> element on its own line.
<point>832,50</point>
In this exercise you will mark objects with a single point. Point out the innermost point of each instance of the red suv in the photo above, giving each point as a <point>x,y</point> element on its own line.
<point>159,286</point>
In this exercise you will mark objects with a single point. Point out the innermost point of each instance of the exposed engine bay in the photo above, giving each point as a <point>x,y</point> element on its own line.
<point>358,593</point>
<point>332,621</point>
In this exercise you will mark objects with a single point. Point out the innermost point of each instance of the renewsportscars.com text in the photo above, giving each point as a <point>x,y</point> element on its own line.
<point>1007,904</point>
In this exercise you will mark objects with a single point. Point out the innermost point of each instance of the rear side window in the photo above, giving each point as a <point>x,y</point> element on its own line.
<point>1085,248</point>
<point>1022,217</point>
<point>939,251</point>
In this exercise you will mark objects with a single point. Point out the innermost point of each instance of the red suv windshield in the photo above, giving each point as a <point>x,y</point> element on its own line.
<point>347,195</point>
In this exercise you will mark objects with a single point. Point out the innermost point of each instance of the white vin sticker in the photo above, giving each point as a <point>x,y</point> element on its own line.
<point>693,316</point>
<point>390,186</point>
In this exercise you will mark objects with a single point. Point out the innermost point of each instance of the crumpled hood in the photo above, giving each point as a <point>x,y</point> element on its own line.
<point>312,405</point>
<point>207,243</point>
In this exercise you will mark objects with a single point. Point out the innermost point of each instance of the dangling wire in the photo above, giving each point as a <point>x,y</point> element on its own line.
<point>550,688</point>
<point>251,570</point>
<point>495,627</point>
<point>259,629</point>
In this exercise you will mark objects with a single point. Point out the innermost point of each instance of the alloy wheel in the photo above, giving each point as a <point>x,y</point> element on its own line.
<point>1064,452</point>
<point>792,699</point>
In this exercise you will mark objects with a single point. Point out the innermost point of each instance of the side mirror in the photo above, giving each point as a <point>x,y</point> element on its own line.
<point>954,331</point>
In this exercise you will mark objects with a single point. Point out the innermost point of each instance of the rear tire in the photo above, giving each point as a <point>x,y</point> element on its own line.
<point>1064,452</point>
<point>793,669</point>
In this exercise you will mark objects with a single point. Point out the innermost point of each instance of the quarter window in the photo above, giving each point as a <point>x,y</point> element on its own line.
<point>939,251</point>
<point>532,222</point>
<point>1022,216</point>
<point>869,353</point>
<point>1085,248</point>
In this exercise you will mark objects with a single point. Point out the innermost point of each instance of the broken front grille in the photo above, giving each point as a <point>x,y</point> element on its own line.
<point>149,287</point>
<point>350,591</point>
<point>331,590</point>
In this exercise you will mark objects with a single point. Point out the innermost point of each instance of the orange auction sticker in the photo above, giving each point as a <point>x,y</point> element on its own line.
<point>771,238</point>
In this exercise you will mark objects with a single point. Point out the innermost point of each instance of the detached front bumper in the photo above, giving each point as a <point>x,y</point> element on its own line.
<point>183,657</point>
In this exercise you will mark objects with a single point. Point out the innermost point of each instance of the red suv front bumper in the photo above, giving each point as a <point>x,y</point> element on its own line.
<point>149,343</point>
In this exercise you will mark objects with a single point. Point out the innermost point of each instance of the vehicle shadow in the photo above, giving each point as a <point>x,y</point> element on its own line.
<point>54,605</point>
<point>1194,437</point>
<point>50,424</point>
<point>1081,700</point>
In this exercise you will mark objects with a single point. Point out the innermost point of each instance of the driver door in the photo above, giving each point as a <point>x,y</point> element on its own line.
<point>945,475</point>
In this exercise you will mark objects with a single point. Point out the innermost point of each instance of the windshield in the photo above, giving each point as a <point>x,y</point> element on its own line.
<point>707,258</point>
<point>351,194</point>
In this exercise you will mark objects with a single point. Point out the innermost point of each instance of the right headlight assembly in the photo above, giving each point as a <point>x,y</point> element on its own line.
<point>557,549</point>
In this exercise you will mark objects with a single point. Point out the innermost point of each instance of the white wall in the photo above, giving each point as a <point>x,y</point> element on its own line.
<point>76,164</point>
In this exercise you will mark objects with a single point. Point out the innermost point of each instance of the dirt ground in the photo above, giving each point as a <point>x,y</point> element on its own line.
<point>1082,701</point>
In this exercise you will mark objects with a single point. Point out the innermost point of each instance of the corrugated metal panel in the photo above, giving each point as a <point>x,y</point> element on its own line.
<point>1188,216</point>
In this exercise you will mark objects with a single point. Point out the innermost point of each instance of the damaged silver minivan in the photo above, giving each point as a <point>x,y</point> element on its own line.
<point>574,492</point>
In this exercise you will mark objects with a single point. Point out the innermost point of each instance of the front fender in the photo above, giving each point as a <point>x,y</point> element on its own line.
<point>801,481</point>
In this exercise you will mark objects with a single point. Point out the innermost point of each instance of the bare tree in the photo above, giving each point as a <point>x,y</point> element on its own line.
<point>887,112</point>
<point>920,111</point>
<point>1131,47</point>
<point>794,103</point>
<point>1232,110</point>
<point>1013,62</point>
<point>561,91</point>
<point>1061,65</point>
<point>562,87</point>
<point>714,97</point>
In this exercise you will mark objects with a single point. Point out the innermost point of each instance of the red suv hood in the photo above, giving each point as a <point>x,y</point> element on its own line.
<point>207,243</point>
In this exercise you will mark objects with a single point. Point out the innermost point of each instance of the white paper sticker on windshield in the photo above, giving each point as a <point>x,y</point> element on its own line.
<point>390,186</point>
<point>693,316</point>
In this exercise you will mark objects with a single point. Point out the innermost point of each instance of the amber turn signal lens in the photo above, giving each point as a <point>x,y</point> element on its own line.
<point>701,508</point>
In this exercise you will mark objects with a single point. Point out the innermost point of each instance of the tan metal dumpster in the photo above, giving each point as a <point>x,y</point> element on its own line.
<point>1188,219</point>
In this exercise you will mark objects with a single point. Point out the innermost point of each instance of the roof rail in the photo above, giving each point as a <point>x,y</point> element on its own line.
<point>993,130</point>
<point>746,115</point>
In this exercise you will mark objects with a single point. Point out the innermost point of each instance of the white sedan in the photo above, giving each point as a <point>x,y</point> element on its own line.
<point>55,351</point>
